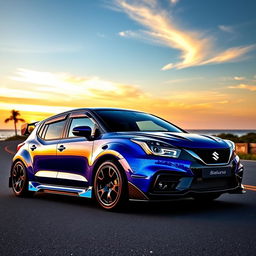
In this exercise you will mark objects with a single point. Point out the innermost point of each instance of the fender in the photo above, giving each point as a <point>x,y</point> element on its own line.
<point>24,156</point>
<point>110,150</point>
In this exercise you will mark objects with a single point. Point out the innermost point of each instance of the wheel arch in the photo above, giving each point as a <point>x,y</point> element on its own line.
<point>15,160</point>
<point>25,159</point>
<point>104,158</point>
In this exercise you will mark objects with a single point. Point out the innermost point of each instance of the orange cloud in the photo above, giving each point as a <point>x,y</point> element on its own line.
<point>54,87</point>
<point>58,92</point>
<point>230,54</point>
<point>244,86</point>
<point>196,48</point>
<point>239,78</point>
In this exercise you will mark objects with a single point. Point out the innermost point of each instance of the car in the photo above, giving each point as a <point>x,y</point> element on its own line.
<point>116,155</point>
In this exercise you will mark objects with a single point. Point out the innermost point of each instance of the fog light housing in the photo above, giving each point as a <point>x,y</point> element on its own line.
<point>162,185</point>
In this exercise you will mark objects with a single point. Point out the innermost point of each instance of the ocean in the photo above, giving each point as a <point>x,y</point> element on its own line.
<point>8,133</point>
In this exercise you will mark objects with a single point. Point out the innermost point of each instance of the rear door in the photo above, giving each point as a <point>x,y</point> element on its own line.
<point>43,150</point>
<point>74,153</point>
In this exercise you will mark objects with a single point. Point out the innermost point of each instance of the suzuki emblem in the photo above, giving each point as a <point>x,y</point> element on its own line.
<point>215,156</point>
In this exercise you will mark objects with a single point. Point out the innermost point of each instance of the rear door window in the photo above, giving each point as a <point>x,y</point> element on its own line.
<point>53,130</point>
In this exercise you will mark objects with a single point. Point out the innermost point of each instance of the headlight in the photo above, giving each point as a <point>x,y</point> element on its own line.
<point>231,144</point>
<point>157,148</point>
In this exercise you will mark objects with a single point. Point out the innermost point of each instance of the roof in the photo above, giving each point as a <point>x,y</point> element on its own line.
<point>87,109</point>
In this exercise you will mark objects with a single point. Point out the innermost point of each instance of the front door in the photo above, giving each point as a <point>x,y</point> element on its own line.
<point>74,154</point>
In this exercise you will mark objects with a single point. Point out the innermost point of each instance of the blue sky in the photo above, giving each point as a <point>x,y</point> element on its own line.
<point>183,49</point>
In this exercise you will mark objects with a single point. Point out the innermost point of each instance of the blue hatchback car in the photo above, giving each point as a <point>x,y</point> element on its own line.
<point>116,155</point>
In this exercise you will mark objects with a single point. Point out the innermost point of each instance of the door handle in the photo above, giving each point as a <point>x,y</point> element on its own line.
<point>33,147</point>
<point>61,148</point>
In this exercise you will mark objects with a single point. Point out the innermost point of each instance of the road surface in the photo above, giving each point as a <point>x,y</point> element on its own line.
<point>61,225</point>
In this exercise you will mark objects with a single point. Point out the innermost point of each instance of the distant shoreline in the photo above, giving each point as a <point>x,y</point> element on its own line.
<point>238,132</point>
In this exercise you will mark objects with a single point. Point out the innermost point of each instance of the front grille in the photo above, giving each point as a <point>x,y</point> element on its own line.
<point>213,156</point>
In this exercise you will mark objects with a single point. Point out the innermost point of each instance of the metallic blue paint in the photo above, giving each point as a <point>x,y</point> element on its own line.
<point>141,169</point>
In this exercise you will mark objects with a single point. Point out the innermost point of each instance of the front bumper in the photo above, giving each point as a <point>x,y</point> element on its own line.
<point>171,178</point>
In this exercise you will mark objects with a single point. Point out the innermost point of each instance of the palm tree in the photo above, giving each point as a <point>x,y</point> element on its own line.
<point>15,119</point>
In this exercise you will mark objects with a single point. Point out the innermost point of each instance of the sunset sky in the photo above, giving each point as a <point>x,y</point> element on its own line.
<point>192,62</point>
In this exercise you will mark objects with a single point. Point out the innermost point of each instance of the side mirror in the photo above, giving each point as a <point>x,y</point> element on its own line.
<point>83,131</point>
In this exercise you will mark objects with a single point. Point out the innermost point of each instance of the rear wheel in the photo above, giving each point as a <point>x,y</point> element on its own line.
<point>110,186</point>
<point>19,180</point>
<point>207,197</point>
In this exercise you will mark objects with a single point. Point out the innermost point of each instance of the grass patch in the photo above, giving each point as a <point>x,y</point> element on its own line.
<point>247,138</point>
<point>247,156</point>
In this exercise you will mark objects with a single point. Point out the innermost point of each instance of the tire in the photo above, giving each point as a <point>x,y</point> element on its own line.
<point>19,179</point>
<point>206,197</point>
<point>110,186</point>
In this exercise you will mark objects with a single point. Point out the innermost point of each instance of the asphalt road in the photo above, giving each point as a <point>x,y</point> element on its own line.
<point>61,225</point>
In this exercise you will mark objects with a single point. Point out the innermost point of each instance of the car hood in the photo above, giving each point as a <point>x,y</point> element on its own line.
<point>184,140</point>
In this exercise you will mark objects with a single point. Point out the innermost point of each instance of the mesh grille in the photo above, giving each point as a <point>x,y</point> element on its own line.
<point>213,156</point>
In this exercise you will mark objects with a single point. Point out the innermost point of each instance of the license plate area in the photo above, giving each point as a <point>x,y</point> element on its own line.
<point>216,172</point>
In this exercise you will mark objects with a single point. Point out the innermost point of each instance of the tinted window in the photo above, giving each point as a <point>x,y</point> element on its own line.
<point>83,121</point>
<point>149,126</point>
<point>54,130</point>
<point>121,120</point>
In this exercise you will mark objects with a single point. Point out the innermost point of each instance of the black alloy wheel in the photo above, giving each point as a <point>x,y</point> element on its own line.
<point>110,186</point>
<point>19,180</point>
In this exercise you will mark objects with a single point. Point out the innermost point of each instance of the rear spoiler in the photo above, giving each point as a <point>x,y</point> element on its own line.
<point>26,128</point>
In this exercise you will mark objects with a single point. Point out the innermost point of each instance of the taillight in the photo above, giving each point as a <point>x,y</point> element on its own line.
<point>20,145</point>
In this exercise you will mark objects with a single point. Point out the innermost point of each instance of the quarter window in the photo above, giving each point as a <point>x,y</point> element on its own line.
<point>53,130</point>
<point>83,121</point>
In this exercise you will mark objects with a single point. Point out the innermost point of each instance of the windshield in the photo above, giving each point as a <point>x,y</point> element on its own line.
<point>124,120</point>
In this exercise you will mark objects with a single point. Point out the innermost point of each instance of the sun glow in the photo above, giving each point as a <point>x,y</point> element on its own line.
<point>47,93</point>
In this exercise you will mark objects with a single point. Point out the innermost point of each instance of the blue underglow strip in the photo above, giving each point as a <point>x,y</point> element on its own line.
<point>60,188</point>
<point>31,187</point>
<point>81,192</point>
<point>87,193</point>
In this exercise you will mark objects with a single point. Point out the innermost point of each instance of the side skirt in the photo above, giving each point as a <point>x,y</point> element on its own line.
<point>81,192</point>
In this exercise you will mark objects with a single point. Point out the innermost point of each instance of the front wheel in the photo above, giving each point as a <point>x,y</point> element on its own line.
<point>110,186</point>
<point>19,180</point>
